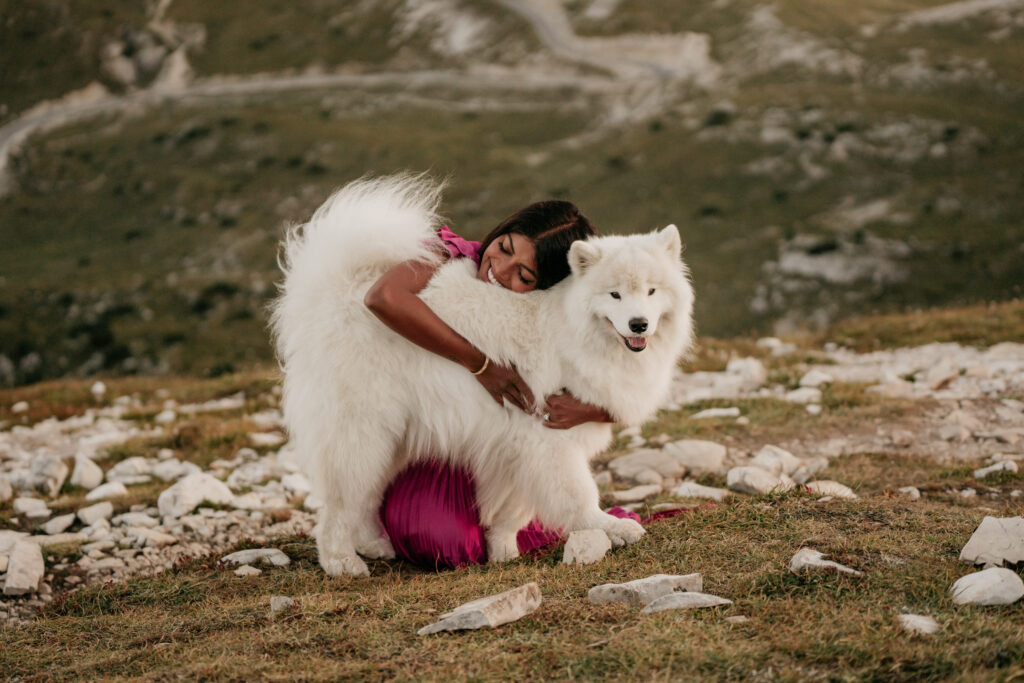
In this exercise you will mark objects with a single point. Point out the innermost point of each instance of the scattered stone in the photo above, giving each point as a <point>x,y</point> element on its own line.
<point>586,547</point>
<point>737,619</point>
<point>1004,466</point>
<point>754,481</point>
<point>297,483</point>
<point>995,542</point>
<point>902,438</point>
<point>266,439</point>
<point>831,488</point>
<point>59,524</point>
<point>255,555</point>
<point>803,395</point>
<point>491,611</point>
<point>813,409</point>
<point>691,489</point>
<point>806,558</point>
<point>644,591</point>
<point>149,538</point>
<point>136,519</point>
<point>953,432</point>
<point>716,412</point>
<point>684,601</point>
<point>248,570</point>
<point>165,417</point>
<point>911,492</point>
<point>634,464</point>
<point>183,496</point>
<point>697,456</point>
<point>279,603</point>
<point>45,541</point>
<point>808,469</point>
<point>32,508</point>
<point>815,378</point>
<point>993,586</point>
<point>751,372</point>
<point>112,489</point>
<point>918,624</point>
<point>46,475</point>
<point>968,493</point>
<point>635,494</point>
<point>25,569</point>
<point>90,514</point>
<point>776,460</point>
<point>19,407</point>
<point>98,389</point>
<point>86,474</point>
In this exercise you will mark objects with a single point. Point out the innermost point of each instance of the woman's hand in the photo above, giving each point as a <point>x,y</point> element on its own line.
<point>565,411</point>
<point>503,382</point>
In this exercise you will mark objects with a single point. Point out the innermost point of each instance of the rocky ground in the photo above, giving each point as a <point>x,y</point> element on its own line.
<point>81,509</point>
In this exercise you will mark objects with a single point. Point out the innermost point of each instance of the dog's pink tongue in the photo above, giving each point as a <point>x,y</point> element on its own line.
<point>636,342</point>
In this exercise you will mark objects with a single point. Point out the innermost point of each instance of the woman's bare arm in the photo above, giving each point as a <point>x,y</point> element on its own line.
<point>564,411</point>
<point>393,299</point>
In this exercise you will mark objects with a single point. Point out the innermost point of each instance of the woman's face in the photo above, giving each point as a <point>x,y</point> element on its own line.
<point>510,261</point>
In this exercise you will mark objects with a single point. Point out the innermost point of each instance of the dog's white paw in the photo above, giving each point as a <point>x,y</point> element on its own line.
<point>379,548</point>
<point>344,565</point>
<point>623,531</point>
<point>502,549</point>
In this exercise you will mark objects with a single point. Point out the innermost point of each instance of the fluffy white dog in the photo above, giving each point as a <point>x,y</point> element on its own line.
<point>361,402</point>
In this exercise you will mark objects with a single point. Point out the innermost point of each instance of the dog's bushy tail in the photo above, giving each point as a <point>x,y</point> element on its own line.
<point>363,229</point>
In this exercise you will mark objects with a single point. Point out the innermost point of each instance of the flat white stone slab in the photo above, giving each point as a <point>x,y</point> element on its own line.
<point>1004,466</point>
<point>44,541</point>
<point>635,494</point>
<point>491,611</point>
<point>24,569</point>
<point>33,508</point>
<point>255,555</point>
<point>645,591</point>
<point>90,514</point>
<point>755,481</point>
<point>586,547</point>
<point>697,456</point>
<point>691,489</point>
<point>185,494</point>
<point>716,412</point>
<point>684,601</point>
<point>776,460</point>
<point>993,586</point>
<point>807,558</point>
<point>827,487</point>
<point>995,542</point>
<point>59,524</point>
<point>112,489</point>
<point>917,623</point>
<point>248,570</point>
<point>630,465</point>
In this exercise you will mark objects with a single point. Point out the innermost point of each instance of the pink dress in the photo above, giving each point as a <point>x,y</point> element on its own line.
<point>429,511</point>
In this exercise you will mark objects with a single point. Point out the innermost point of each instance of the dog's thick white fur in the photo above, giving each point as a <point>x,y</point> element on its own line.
<point>360,401</point>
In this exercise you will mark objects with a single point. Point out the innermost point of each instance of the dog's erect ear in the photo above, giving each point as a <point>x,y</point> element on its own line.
<point>671,240</point>
<point>582,255</point>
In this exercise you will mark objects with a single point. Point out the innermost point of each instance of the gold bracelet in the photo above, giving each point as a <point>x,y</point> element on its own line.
<point>487,361</point>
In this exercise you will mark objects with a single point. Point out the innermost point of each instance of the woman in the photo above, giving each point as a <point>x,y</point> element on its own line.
<point>429,511</point>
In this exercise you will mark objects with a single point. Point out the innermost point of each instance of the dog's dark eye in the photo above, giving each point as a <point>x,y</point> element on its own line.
<point>615,295</point>
<point>650,292</point>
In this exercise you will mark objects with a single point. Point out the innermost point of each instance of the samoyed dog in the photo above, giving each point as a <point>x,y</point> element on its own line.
<point>361,402</point>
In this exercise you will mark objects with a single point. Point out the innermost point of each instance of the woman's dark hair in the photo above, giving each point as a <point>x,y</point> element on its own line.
<point>552,226</point>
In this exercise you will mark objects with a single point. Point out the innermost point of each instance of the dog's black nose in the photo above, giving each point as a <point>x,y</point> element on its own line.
<point>638,325</point>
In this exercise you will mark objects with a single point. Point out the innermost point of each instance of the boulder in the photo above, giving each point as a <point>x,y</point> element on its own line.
<point>993,586</point>
<point>697,456</point>
<point>491,611</point>
<point>644,591</point>
<point>995,542</point>
<point>184,495</point>
<point>586,546</point>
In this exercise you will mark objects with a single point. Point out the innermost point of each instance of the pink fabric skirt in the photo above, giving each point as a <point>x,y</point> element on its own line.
<point>431,517</point>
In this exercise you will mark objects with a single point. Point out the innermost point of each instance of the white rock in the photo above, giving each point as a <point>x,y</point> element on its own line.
<point>98,389</point>
<point>953,432</point>
<point>993,586</point>
<point>44,541</point>
<point>183,496</point>
<point>247,570</point>
<point>754,481</point>
<point>805,558</point>
<point>629,432</point>
<point>808,469</point>
<point>254,555</point>
<point>59,524</point>
<point>691,489</point>
<point>813,409</point>
<point>32,508</point>
<point>3,563</point>
<point>149,538</point>
<point>111,489</point>
<point>90,514</point>
<point>171,469</point>
<point>494,610</point>
<point>911,492</point>
<point>1004,466</point>
<point>635,494</point>
<point>130,468</point>
<point>631,465</point>
<point>296,483</point>
<point>815,378</point>
<point>86,474</point>
<point>8,538</point>
<point>19,407</point>
<point>803,395</point>
<point>751,372</point>
<point>644,591</point>
<point>828,487</point>
<point>279,603</point>
<point>737,619</point>
<point>46,475</point>
<point>684,601</point>
<point>776,460</point>
<point>996,541</point>
<point>266,439</point>
<point>136,519</point>
<point>902,438</point>
<point>697,456</point>
<point>603,478</point>
<point>917,623</point>
<point>586,546</point>
<point>716,412</point>
<point>165,417</point>
<point>25,569</point>
<point>6,490</point>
